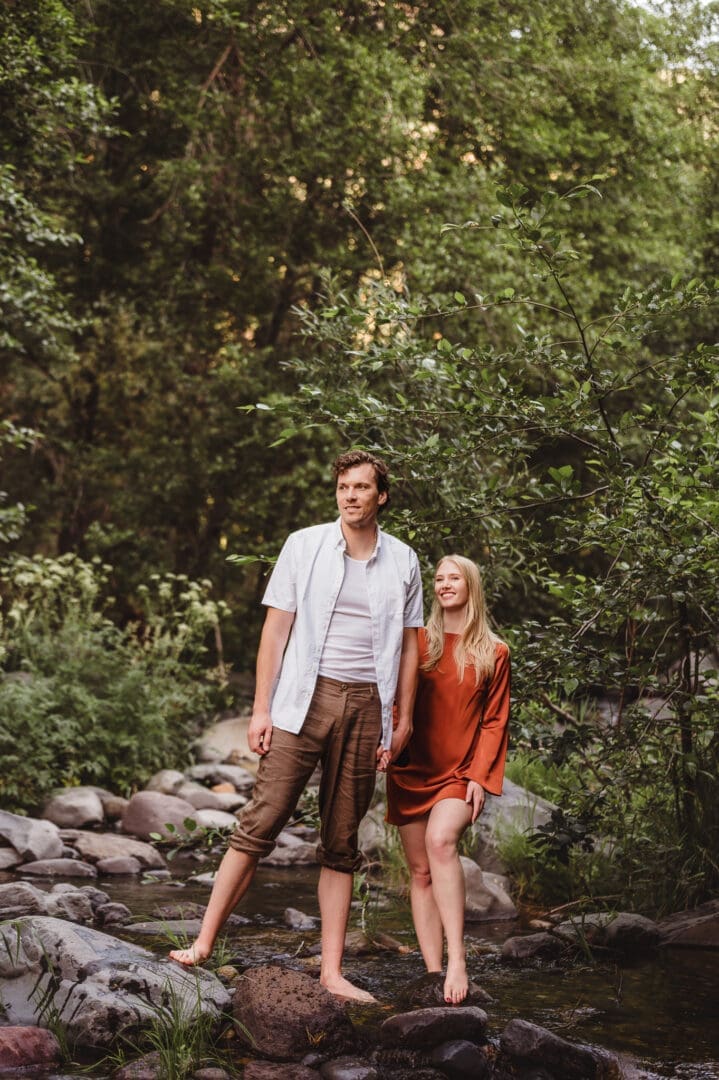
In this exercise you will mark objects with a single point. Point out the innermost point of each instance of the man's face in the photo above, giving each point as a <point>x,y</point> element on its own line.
<point>358,498</point>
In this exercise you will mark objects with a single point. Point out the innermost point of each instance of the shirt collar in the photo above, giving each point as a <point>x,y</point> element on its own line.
<point>340,542</point>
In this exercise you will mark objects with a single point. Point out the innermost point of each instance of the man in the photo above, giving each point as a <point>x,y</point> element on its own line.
<point>338,650</point>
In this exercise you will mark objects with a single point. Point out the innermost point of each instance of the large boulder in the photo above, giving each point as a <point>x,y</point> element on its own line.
<point>226,737</point>
<point>75,808</point>
<point>98,846</point>
<point>151,812</point>
<point>9,858</point>
<point>529,1044</point>
<point>695,929</point>
<point>283,1013</point>
<point>96,986</point>
<point>59,868</point>
<point>426,1028</point>
<point>26,1049</point>
<point>486,898</point>
<point>31,838</point>
<point>515,810</point>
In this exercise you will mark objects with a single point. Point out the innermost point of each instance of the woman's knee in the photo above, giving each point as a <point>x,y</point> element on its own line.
<point>421,875</point>
<point>441,844</point>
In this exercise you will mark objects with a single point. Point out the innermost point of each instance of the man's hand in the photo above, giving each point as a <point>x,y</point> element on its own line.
<point>259,733</point>
<point>475,797</point>
<point>383,758</point>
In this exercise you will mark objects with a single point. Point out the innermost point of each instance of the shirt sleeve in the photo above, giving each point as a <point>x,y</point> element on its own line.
<point>413,609</point>
<point>487,767</point>
<point>281,591</point>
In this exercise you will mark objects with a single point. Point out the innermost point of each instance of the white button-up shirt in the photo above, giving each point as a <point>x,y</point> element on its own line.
<point>306,580</point>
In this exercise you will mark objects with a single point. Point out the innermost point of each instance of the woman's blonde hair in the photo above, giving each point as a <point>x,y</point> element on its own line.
<point>476,644</point>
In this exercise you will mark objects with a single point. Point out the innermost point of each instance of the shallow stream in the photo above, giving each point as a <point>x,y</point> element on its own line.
<point>663,1012</point>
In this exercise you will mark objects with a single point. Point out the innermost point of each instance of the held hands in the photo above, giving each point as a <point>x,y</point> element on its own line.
<point>383,758</point>
<point>475,797</point>
<point>259,733</point>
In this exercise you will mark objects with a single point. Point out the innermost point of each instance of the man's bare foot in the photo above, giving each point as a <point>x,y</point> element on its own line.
<point>343,988</point>
<point>456,983</point>
<point>192,956</point>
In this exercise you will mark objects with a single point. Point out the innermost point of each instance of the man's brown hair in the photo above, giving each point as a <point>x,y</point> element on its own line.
<point>363,457</point>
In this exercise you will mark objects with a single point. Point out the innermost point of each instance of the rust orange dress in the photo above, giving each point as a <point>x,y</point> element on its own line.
<point>459,734</point>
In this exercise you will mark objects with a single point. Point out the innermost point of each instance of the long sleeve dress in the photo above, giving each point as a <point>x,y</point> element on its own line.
<point>459,734</point>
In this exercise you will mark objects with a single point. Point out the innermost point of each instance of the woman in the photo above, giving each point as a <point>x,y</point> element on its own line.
<point>455,754</point>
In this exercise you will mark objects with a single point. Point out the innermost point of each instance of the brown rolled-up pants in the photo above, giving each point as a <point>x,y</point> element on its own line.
<point>342,730</point>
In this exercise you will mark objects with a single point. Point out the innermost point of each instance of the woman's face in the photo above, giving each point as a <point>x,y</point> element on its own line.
<point>450,587</point>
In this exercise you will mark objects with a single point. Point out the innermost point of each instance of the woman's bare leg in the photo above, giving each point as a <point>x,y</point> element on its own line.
<point>425,913</point>
<point>447,821</point>
<point>234,876</point>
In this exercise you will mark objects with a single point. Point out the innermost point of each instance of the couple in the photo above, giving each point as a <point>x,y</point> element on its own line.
<point>342,656</point>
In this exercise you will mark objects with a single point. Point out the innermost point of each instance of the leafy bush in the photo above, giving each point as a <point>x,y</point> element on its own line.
<point>83,701</point>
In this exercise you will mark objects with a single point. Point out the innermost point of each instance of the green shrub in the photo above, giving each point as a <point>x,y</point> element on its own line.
<point>83,701</point>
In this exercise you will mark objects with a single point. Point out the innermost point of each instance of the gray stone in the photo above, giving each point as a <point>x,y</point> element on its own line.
<point>113,914</point>
<point>694,929</point>
<point>460,1059</point>
<point>166,781</point>
<point>297,920</point>
<point>21,898</point>
<point>162,927</point>
<point>31,838</point>
<point>515,810</point>
<point>75,906</point>
<point>630,933</point>
<point>530,1044</point>
<point>27,1047</point>
<point>9,858</point>
<point>225,738</point>
<point>428,991</point>
<point>148,1067</point>
<point>301,855</point>
<point>96,986</point>
<point>215,819</point>
<point>217,772</point>
<point>150,812</point>
<point>486,899</point>
<point>348,1068</point>
<point>200,796</point>
<point>426,1028</point>
<point>119,864</point>
<point>268,1070</point>
<point>282,1012</point>
<point>60,868</point>
<point>113,806</point>
<point>530,946</point>
<point>74,808</point>
<point>372,836</point>
<point>210,1072</point>
<point>97,846</point>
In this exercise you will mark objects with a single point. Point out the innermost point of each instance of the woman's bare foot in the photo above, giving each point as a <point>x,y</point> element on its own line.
<point>192,956</point>
<point>456,983</point>
<point>343,988</point>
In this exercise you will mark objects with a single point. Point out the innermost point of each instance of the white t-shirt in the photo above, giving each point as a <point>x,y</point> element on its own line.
<point>347,654</point>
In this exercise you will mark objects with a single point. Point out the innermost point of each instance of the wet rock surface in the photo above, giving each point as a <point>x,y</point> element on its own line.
<point>24,1047</point>
<point>428,1027</point>
<point>529,1044</point>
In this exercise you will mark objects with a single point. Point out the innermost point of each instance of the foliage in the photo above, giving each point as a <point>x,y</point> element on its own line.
<point>84,702</point>
<point>190,837</point>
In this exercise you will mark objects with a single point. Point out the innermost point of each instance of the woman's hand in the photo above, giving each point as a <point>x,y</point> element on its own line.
<point>475,797</point>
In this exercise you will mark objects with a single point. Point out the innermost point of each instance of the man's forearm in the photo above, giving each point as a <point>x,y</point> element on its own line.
<point>273,641</point>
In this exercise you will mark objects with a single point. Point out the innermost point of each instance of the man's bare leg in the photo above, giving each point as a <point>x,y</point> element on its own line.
<point>335,896</point>
<point>233,879</point>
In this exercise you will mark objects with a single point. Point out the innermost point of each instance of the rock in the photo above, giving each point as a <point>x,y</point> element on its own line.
<point>75,808</point>
<point>217,772</point>
<point>516,810</point>
<point>348,1068</point>
<point>150,812</point>
<point>96,896</point>
<point>23,1047</point>
<point>97,846</point>
<point>113,806</point>
<point>289,839</point>
<point>119,864</point>
<point>428,991</point>
<point>200,796</point>
<point>486,899</point>
<point>297,920</point>
<point>96,986</point>
<point>303,854</point>
<point>9,858</point>
<point>695,929</point>
<point>372,836</point>
<point>631,933</point>
<point>148,1067</point>
<point>21,898</point>
<point>282,1012</point>
<point>74,906</point>
<point>267,1070</point>
<point>224,738</point>
<point>224,788</point>
<point>430,1027</point>
<point>530,1044</point>
<point>210,1072</point>
<point>460,1059</point>
<point>166,781</point>
<point>215,819</point>
<point>533,946</point>
<point>60,868</point>
<point>32,839</point>
<point>177,928</point>
<point>113,914</point>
